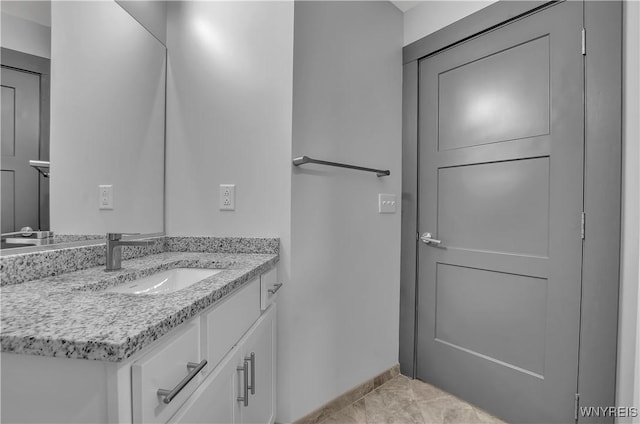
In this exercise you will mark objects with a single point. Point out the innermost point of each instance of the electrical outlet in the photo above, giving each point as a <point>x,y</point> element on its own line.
<point>227,197</point>
<point>105,197</point>
<point>386,203</point>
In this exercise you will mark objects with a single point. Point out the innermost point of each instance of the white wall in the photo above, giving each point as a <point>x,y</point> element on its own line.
<point>229,117</point>
<point>339,317</point>
<point>431,16</point>
<point>629,323</point>
<point>26,27</point>
<point>229,121</point>
<point>107,120</point>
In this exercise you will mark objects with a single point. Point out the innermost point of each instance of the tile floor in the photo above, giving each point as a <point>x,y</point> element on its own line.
<point>405,401</point>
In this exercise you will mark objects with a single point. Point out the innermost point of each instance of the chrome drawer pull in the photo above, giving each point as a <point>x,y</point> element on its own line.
<point>252,359</point>
<point>245,370</point>
<point>194,369</point>
<point>275,288</point>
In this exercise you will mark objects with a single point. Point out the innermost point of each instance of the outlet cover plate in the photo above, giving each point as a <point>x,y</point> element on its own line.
<point>105,197</point>
<point>227,197</point>
<point>386,203</point>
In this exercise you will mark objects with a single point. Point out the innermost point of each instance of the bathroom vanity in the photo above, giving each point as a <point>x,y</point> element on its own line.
<point>76,350</point>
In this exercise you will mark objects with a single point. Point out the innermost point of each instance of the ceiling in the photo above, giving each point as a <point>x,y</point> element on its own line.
<point>35,11</point>
<point>405,5</point>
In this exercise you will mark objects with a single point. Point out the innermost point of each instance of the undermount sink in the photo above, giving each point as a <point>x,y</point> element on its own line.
<point>165,282</point>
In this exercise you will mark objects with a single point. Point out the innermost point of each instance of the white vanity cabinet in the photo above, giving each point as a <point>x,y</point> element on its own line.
<point>227,396</point>
<point>236,337</point>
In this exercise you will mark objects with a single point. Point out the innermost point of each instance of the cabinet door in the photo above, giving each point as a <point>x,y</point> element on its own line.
<point>260,341</point>
<point>225,324</point>
<point>216,400</point>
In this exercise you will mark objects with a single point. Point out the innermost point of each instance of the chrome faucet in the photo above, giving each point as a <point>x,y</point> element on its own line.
<point>114,251</point>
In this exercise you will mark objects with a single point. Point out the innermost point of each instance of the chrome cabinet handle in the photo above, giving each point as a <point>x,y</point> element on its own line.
<point>245,370</point>
<point>194,369</point>
<point>275,288</point>
<point>252,359</point>
<point>427,239</point>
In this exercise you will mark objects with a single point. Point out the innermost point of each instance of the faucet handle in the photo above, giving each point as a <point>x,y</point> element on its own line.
<point>118,236</point>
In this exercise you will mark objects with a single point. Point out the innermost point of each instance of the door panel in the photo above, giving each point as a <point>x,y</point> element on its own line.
<point>499,206</point>
<point>472,315</point>
<point>477,100</point>
<point>8,196</point>
<point>8,97</point>
<point>500,176</point>
<point>20,143</point>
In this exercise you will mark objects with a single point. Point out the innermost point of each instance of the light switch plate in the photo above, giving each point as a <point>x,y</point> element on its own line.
<point>386,203</point>
<point>227,197</point>
<point>105,197</point>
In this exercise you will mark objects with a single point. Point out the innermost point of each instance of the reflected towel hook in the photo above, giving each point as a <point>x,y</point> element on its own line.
<point>42,166</point>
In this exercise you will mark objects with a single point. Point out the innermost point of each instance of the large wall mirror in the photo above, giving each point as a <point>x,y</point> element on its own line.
<point>95,123</point>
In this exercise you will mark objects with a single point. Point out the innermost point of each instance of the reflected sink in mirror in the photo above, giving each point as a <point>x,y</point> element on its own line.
<point>165,282</point>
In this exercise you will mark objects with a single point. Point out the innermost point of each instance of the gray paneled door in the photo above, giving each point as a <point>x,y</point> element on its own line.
<point>501,186</point>
<point>20,143</point>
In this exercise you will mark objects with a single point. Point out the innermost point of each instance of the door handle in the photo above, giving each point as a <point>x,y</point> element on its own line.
<point>193,370</point>
<point>245,370</point>
<point>427,239</point>
<point>275,288</point>
<point>252,359</point>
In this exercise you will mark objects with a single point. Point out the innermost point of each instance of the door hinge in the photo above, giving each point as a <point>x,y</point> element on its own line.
<point>417,236</point>
<point>584,41</point>
<point>577,406</point>
<point>583,217</point>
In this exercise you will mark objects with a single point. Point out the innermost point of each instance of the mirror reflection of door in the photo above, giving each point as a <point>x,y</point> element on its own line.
<point>24,192</point>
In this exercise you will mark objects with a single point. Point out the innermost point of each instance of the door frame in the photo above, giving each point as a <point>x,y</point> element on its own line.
<point>25,62</point>
<point>602,20</point>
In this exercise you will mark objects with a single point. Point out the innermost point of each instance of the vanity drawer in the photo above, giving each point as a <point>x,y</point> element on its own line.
<point>224,325</point>
<point>269,287</point>
<point>164,368</point>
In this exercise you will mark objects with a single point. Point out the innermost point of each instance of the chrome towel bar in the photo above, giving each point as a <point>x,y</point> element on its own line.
<point>306,159</point>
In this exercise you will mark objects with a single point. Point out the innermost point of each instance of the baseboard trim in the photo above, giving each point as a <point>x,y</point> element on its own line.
<point>349,397</point>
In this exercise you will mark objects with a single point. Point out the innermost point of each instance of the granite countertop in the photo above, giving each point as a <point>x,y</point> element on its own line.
<point>70,315</point>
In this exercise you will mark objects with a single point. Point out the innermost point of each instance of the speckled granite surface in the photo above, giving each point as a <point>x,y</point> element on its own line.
<point>69,316</point>
<point>223,244</point>
<point>15,269</point>
<point>67,238</point>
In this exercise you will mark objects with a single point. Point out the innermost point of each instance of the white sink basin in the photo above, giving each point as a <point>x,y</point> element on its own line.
<point>165,281</point>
